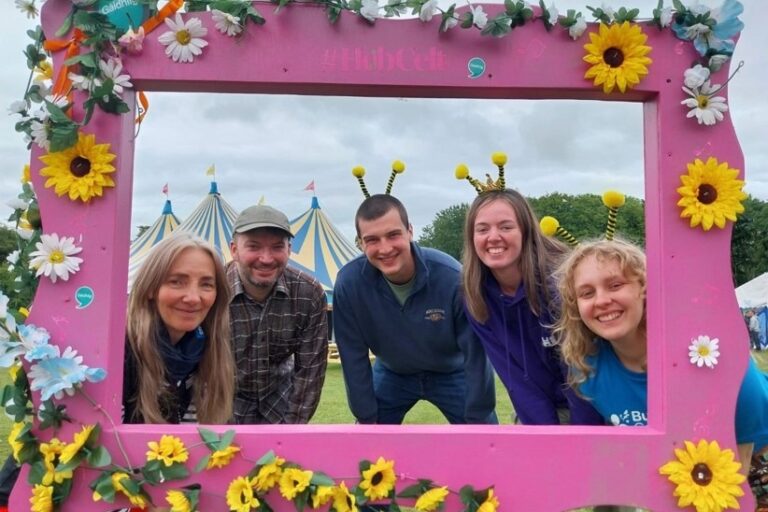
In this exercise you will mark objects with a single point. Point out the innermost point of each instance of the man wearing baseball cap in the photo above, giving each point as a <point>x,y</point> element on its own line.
<point>278,321</point>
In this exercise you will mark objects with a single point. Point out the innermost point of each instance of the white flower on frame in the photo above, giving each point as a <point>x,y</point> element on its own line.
<point>226,23</point>
<point>553,14</point>
<point>695,76</point>
<point>696,30</point>
<point>665,17</point>
<point>25,234</point>
<point>54,257</point>
<point>17,204</point>
<point>479,17</point>
<point>111,69</point>
<point>12,258</point>
<point>450,23</point>
<point>17,107</point>
<point>27,7</point>
<point>185,39</point>
<point>705,106</point>
<point>370,10</point>
<point>82,83</point>
<point>578,28</point>
<point>608,10</point>
<point>428,10</point>
<point>704,351</point>
<point>40,134</point>
<point>716,61</point>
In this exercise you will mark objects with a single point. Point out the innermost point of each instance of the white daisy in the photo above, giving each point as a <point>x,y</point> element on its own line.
<point>479,17</point>
<point>82,83</point>
<point>28,7</point>
<point>40,134</point>
<point>3,305</point>
<point>577,28</point>
<point>716,62</point>
<point>370,10</point>
<point>133,42</point>
<point>704,351</point>
<point>111,69</point>
<point>24,234</point>
<point>54,257</point>
<point>428,10</point>
<point>226,23</point>
<point>184,40</point>
<point>707,107</point>
<point>665,16</point>
<point>12,258</point>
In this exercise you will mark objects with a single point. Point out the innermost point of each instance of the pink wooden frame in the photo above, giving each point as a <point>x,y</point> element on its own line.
<point>690,289</point>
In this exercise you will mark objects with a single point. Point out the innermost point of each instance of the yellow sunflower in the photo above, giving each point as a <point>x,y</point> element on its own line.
<point>431,500</point>
<point>42,498</point>
<point>170,449</point>
<point>221,458</point>
<point>269,475</point>
<point>618,56</point>
<point>705,476</point>
<point>51,452</point>
<point>379,479</point>
<point>178,501</point>
<point>82,171</point>
<point>79,440</point>
<point>293,481</point>
<point>491,503</point>
<point>343,500</point>
<point>118,477</point>
<point>13,440</point>
<point>240,496</point>
<point>26,175</point>
<point>322,495</point>
<point>710,194</point>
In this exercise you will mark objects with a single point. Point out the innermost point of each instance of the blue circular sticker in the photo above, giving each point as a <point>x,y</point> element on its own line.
<point>476,67</point>
<point>84,297</point>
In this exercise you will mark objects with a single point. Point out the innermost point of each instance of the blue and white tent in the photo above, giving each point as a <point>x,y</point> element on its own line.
<point>319,248</point>
<point>162,227</point>
<point>212,221</point>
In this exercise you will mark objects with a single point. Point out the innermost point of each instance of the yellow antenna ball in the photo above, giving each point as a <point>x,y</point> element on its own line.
<point>549,225</point>
<point>499,158</point>
<point>398,166</point>
<point>358,171</point>
<point>462,171</point>
<point>613,199</point>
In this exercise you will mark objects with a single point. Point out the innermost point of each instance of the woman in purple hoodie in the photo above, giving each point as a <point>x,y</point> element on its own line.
<point>508,297</point>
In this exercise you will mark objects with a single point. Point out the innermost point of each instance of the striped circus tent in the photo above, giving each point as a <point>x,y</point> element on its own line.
<point>140,247</point>
<point>318,248</point>
<point>212,220</point>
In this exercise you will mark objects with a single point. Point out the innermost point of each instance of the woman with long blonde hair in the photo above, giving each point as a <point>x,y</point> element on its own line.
<point>509,298</point>
<point>178,358</point>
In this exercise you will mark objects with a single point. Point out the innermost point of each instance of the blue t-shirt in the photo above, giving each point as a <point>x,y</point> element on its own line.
<point>620,396</point>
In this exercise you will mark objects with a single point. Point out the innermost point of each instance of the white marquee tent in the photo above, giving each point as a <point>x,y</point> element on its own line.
<point>753,294</point>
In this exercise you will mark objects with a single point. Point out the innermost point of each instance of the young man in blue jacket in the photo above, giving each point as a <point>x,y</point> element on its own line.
<point>401,302</point>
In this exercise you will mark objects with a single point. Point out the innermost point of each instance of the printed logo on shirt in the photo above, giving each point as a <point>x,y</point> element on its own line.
<point>629,418</point>
<point>434,315</point>
<point>548,341</point>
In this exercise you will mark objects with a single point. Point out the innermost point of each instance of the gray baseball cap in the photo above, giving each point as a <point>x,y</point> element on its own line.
<point>262,216</point>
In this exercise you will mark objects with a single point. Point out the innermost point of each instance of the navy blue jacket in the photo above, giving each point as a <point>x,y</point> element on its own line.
<point>430,332</point>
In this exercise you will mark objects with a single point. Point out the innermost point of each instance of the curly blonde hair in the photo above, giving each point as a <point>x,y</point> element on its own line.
<point>574,337</point>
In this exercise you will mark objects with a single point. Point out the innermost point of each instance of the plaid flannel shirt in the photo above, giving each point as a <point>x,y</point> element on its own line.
<point>280,348</point>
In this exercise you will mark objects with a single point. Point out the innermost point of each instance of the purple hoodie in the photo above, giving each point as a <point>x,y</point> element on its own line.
<point>523,353</point>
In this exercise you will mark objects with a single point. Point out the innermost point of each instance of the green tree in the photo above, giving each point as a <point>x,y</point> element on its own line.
<point>749,242</point>
<point>8,243</point>
<point>446,231</point>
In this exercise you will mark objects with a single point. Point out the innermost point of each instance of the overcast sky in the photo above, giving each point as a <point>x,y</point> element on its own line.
<point>275,145</point>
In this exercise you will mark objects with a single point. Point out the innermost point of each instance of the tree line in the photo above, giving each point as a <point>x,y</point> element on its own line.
<point>585,217</point>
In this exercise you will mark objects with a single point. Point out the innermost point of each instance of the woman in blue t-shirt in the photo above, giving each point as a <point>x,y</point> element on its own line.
<point>602,331</point>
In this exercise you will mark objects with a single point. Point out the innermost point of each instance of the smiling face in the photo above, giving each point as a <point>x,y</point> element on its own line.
<point>187,292</point>
<point>610,303</point>
<point>261,256</point>
<point>498,239</point>
<point>386,242</point>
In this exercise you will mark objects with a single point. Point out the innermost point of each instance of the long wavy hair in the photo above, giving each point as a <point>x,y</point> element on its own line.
<point>575,339</point>
<point>214,387</point>
<point>539,256</point>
